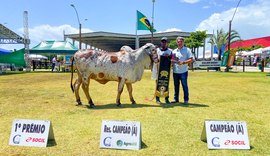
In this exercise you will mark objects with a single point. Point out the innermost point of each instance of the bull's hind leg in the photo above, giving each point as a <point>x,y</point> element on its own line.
<point>76,87</point>
<point>85,87</point>
<point>121,83</point>
<point>129,88</point>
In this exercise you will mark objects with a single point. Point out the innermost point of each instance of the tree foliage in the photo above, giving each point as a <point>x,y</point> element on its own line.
<point>221,37</point>
<point>250,48</point>
<point>194,41</point>
<point>173,44</point>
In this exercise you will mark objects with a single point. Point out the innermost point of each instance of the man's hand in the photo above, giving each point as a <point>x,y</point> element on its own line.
<point>181,62</point>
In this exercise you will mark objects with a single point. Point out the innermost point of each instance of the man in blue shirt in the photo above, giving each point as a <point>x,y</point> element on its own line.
<point>181,57</point>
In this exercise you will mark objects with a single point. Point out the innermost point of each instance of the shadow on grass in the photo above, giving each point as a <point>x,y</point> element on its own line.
<point>123,106</point>
<point>51,143</point>
<point>127,105</point>
<point>144,145</point>
<point>25,72</point>
<point>12,73</point>
<point>190,105</point>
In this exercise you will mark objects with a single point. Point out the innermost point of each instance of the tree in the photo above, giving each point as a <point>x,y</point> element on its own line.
<point>220,39</point>
<point>172,44</point>
<point>194,41</point>
<point>253,47</point>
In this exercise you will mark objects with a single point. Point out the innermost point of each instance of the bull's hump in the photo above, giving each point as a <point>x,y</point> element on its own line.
<point>86,53</point>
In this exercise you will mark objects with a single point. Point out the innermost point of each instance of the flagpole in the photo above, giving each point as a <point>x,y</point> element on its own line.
<point>152,25</point>
<point>137,38</point>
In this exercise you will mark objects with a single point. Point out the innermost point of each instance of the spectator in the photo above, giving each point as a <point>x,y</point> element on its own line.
<point>54,61</point>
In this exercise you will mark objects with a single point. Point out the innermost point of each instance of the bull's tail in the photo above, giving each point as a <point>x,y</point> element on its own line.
<point>71,85</point>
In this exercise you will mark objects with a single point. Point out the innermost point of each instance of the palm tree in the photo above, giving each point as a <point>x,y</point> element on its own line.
<point>220,39</point>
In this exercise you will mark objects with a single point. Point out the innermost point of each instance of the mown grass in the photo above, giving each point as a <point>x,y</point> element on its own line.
<point>166,130</point>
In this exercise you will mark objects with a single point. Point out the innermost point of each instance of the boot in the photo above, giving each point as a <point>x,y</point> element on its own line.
<point>158,100</point>
<point>167,100</point>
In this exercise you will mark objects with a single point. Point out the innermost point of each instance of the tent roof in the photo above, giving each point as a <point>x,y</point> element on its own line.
<point>263,41</point>
<point>253,52</point>
<point>56,47</point>
<point>37,57</point>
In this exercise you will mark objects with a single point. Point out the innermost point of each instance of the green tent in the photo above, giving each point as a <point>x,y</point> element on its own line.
<point>16,58</point>
<point>55,47</point>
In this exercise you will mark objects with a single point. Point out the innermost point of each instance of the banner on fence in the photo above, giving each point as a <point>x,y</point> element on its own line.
<point>206,64</point>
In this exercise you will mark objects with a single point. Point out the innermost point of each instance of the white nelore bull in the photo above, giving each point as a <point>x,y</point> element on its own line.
<point>125,66</point>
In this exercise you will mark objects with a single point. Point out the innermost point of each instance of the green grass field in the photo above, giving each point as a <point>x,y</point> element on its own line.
<point>166,130</point>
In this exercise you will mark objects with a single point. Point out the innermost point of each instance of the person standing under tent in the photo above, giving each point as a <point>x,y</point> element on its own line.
<point>54,61</point>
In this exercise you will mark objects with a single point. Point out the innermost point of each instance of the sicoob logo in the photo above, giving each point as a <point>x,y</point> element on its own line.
<point>16,139</point>
<point>215,142</point>
<point>107,141</point>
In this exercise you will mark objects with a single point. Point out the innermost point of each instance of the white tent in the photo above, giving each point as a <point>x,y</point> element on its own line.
<point>253,52</point>
<point>266,50</point>
<point>208,55</point>
<point>37,57</point>
<point>242,53</point>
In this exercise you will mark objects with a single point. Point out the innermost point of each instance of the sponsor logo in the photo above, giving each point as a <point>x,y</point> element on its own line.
<point>234,142</point>
<point>130,143</point>
<point>16,139</point>
<point>119,143</point>
<point>30,139</point>
<point>107,141</point>
<point>215,142</point>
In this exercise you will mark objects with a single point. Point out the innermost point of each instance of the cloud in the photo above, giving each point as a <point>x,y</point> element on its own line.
<point>206,7</point>
<point>190,1</point>
<point>171,29</point>
<point>48,32</point>
<point>250,21</point>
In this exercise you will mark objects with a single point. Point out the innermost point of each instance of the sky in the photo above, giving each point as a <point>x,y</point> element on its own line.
<point>49,19</point>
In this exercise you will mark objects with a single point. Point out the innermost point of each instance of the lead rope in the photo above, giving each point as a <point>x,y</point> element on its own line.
<point>154,95</point>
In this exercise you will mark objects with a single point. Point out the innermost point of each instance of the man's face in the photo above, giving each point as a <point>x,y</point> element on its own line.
<point>180,43</point>
<point>163,43</point>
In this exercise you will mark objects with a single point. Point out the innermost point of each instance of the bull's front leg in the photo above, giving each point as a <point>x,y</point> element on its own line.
<point>129,88</point>
<point>121,83</point>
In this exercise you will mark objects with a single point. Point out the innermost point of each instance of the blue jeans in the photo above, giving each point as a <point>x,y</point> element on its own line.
<point>53,65</point>
<point>183,78</point>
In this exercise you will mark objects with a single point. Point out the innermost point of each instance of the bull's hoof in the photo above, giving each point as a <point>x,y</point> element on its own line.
<point>92,106</point>
<point>79,103</point>
<point>119,105</point>
<point>133,102</point>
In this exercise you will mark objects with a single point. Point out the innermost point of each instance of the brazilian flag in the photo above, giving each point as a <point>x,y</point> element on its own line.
<point>143,23</point>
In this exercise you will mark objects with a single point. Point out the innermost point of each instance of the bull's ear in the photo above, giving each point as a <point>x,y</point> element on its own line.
<point>148,45</point>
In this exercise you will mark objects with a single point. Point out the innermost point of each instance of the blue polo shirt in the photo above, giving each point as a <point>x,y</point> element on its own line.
<point>182,54</point>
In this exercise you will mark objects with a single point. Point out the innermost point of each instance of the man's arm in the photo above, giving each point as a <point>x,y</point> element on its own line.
<point>188,61</point>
